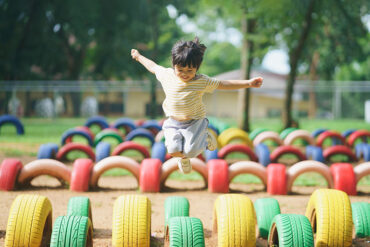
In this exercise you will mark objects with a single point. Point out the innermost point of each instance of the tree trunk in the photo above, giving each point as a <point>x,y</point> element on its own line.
<point>294,56</point>
<point>313,78</point>
<point>155,36</point>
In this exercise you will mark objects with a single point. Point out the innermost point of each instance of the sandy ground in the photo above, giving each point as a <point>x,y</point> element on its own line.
<point>201,204</point>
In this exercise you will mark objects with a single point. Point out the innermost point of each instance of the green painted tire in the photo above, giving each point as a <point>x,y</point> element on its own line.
<point>361,219</point>
<point>185,232</point>
<point>266,209</point>
<point>79,206</point>
<point>175,206</point>
<point>104,134</point>
<point>256,132</point>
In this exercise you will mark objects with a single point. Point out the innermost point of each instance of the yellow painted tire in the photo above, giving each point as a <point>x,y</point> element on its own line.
<point>234,221</point>
<point>29,221</point>
<point>131,221</point>
<point>330,215</point>
<point>231,134</point>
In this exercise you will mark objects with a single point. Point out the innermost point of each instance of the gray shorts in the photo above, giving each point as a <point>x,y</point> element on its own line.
<point>188,137</point>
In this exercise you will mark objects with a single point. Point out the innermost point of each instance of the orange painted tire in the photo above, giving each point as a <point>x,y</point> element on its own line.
<point>326,134</point>
<point>308,166</point>
<point>362,170</point>
<point>344,177</point>
<point>171,165</point>
<point>279,151</point>
<point>9,171</point>
<point>218,176</point>
<point>114,162</point>
<point>130,145</point>
<point>296,134</point>
<point>339,149</point>
<point>81,173</point>
<point>276,179</point>
<point>63,151</point>
<point>150,175</point>
<point>267,135</point>
<point>229,148</point>
<point>249,167</point>
<point>358,134</point>
<point>49,167</point>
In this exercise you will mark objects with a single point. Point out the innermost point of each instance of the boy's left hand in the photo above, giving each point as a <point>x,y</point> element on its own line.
<point>256,82</point>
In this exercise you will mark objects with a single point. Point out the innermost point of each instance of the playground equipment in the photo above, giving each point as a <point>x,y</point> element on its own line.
<point>9,119</point>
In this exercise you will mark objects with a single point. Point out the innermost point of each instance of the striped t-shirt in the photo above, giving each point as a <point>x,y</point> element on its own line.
<point>184,99</point>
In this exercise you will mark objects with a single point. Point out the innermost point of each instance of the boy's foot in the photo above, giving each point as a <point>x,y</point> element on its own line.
<point>184,165</point>
<point>211,142</point>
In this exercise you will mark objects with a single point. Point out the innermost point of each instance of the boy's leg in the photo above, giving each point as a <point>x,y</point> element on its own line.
<point>195,137</point>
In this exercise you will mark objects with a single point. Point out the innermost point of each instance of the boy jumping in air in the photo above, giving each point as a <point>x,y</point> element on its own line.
<point>186,129</point>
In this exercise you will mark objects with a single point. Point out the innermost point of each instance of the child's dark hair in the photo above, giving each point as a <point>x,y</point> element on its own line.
<point>188,53</point>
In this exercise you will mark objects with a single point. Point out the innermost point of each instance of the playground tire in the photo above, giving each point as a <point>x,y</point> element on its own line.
<point>256,132</point>
<point>107,133</point>
<point>267,135</point>
<point>29,221</point>
<point>234,221</point>
<point>339,149</point>
<point>294,135</point>
<point>63,151</point>
<point>314,153</point>
<point>130,145</point>
<point>290,230</point>
<point>213,128</point>
<point>81,173</point>
<point>185,232</point>
<point>159,151</point>
<point>218,176</point>
<point>47,151</point>
<point>131,221</point>
<point>4,119</point>
<point>330,215</point>
<point>276,179</point>
<point>127,123</point>
<point>9,171</point>
<point>362,150</point>
<point>317,132</point>
<point>286,132</point>
<point>102,151</point>
<point>263,154</point>
<point>233,133</point>
<point>152,126</point>
<point>266,209</point>
<point>80,206</point>
<point>142,133</point>
<point>211,155</point>
<point>348,132</point>
<point>230,148</point>
<point>175,206</point>
<point>334,135</point>
<point>344,177</point>
<point>248,167</point>
<point>97,120</point>
<point>279,151</point>
<point>159,137</point>
<point>150,175</point>
<point>361,219</point>
<point>357,134</point>
<point>72,231</point>
<point>68,134</point>
<point>362,170</point>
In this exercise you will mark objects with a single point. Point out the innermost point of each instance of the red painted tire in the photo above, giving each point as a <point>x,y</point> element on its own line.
<point>339,149</point>
<point>150,175</point>
<point>75,146</point>
<point>344,177</point>
<point>362,170</point>
<point>358,134</point>
<point>218,176</point>
<point>229,148</point>
<point>249,167</point>
<point>326,134</point>
<point>81,173</point>
<point>130,145</point>
<point>279,151</point>
<point>276,179</point>
<point>9,171</point>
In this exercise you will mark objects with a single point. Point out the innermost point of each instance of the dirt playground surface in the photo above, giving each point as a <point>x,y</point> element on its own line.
<point>201,203</point>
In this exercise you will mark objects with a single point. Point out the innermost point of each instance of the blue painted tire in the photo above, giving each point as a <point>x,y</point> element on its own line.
<point>362,150</point>
<point>73,132</point>
<point>5,119</point>
<point>98,120</point>
<point>348,132</point>
<point>212,127</point>
<point>211,155</point>
<point>309,151</point>
<point>127,123</point>
<point>47,151</point>
<point>140,132</point>
<point>159,151</point>
<point>317,132</point>
<point>263,154</point>
<point>102,151</point>
<point>152,124</point>
<point>317,154</point>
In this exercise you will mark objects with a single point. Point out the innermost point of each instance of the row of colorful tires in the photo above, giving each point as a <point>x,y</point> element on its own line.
<point>152,174</point>
<point>329,214</point>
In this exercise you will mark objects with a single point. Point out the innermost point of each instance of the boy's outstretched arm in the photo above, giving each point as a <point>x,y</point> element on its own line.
<point>147,63</point>
<point>237,84</point>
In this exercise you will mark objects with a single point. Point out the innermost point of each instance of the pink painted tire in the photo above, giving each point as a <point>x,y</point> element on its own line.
<point>279,151</point>
<point>249,167</point>
<point>171,165</point>
<point>267,135</point>
<point>218,176</point>
<point>299,134</point>
<point>276,179</point>
<point>344,178</point>
<point>9,171</point>
<point>81,173</point>
<point>49,167</point>
<point>130,145</point>
<point>229,148</point>
<point>308,166</point>
<point>150,175</point>
<point>339,149</point>
<point>357,134</point>
<point>327,134</point>
<point>63,151</point>
<point>362,170</point>
<point>114,162</point>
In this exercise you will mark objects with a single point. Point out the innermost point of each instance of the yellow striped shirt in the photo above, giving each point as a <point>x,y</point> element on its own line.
<point>184,99</point>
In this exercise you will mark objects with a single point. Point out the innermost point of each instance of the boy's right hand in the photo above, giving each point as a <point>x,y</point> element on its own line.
<point>135,54</point>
